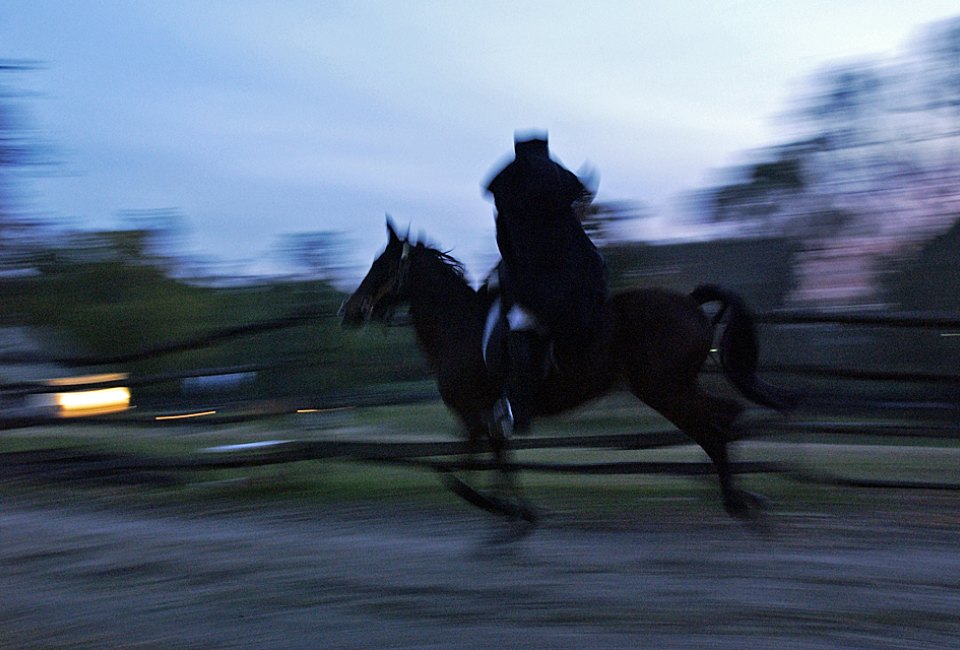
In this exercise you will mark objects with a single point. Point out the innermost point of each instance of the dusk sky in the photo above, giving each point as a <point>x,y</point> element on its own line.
<point>257,119</point>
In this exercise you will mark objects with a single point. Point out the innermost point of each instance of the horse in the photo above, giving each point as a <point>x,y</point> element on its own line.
<point>657,343</point>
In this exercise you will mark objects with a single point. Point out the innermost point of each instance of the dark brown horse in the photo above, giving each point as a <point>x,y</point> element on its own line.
<point>657,343</point>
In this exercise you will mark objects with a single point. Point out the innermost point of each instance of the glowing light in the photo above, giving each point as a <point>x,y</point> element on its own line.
<point>93,402</point>
<point>87,379</point>
<point>183,416</point>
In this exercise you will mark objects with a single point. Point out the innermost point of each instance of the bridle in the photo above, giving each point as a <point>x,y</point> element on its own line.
<point>392,290</point>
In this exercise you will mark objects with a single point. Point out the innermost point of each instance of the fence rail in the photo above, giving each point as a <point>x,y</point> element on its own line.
<point>89,466</point>
<point>79,464</point>
<point>920,320</point>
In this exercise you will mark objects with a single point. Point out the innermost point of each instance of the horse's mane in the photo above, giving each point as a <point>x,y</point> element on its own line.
<point>445,261</point>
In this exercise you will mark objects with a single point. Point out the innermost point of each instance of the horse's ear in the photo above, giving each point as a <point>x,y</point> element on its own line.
<point>391,230</point>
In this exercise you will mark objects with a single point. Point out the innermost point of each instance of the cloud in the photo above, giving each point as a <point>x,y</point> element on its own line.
<point>271,117</point>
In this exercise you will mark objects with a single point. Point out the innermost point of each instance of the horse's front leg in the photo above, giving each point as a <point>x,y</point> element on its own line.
<point>507,481</point>
<point>521,516</point>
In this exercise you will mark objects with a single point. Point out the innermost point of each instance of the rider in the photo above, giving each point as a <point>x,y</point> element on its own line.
<point>552,278</point>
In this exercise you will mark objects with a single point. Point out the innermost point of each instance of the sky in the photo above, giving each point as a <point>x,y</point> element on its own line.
<point>252,120</point>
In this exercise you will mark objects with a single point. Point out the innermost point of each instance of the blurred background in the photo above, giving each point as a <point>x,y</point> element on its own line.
<point>189,191</point>
<point>169,171</point>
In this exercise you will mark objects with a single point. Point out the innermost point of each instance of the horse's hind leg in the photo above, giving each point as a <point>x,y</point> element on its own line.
<point>708,421</point>
<point>714,439</point>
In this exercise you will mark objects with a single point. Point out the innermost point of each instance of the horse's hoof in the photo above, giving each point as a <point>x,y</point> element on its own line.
<point>756,502</point>
<point>527,513</point>
<point>513,531</point>
<point>744,505</point>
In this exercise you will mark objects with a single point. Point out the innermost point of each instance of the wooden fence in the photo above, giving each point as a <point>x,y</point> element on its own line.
<point>450,455</point>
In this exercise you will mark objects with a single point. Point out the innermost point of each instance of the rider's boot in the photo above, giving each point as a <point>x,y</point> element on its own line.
<point>525,373</point>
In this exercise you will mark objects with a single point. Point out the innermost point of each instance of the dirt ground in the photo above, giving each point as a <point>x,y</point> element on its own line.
<point>107,575</point>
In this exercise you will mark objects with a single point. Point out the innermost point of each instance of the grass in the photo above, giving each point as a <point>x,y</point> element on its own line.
<point>335,482</point>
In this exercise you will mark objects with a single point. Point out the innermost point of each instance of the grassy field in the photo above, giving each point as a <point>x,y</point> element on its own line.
<point>325,482</point>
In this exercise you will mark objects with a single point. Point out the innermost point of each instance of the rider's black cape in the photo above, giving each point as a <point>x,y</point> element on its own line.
<point>550,265</point>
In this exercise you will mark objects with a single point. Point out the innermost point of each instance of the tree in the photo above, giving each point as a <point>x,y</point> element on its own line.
<point>940,69</point>
<point>604,221</point>
<point>871,171</point>
<point>16,153</point>
<point>316,255</point>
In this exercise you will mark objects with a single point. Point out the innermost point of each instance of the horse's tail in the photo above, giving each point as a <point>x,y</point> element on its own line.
<point>739,350</point>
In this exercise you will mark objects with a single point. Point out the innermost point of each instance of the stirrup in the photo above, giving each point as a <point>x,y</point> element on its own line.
<point>503,418</point>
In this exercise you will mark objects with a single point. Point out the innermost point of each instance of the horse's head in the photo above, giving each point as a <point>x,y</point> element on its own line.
<point>383,288</point>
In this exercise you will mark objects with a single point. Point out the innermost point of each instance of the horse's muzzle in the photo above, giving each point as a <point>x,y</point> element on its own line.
<point>354,312</point>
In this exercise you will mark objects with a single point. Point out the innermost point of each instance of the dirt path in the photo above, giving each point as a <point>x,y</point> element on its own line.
<point>91,577</point>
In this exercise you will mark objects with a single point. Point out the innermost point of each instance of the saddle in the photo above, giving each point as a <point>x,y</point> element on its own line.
<point>561,349</point>
<point>498,324</point>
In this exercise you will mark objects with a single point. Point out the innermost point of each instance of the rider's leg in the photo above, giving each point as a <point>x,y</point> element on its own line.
<point>526,363</point>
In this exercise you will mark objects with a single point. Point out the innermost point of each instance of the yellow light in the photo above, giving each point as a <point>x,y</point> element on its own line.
<point>183,416</point>
<point>327,410</point>
<point>87,379</point>
<point>93,402</point>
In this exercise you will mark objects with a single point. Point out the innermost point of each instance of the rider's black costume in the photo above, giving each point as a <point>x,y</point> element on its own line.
<point>552,278</point>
